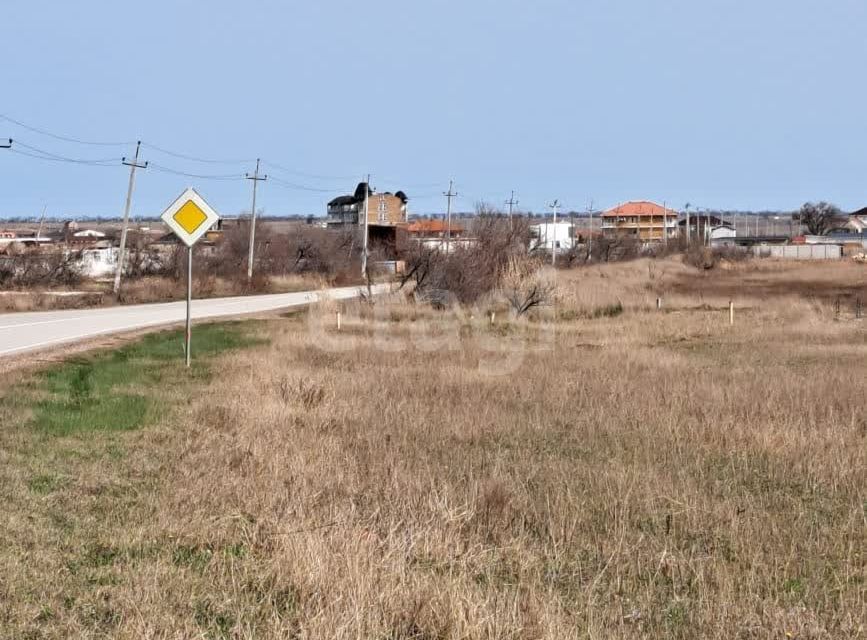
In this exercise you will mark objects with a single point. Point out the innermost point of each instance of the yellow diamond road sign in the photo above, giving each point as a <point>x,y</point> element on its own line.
<point>189,217</point>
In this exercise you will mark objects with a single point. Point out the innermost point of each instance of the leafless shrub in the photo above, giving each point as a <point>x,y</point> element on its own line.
<point>306,250</point>
<point>618,247</point>
<point>32,268</point>
<point>702,257</point>
<point>470,270</point>
<point>526,285</point>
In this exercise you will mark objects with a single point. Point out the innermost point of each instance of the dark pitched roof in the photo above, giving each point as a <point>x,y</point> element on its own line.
<point>358,196</point>
<point>355,198</point>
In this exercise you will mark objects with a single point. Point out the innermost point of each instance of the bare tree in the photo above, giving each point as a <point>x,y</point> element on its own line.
<point>819,217</point>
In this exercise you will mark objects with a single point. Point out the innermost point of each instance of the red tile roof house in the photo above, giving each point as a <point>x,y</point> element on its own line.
<point>644,219</point>
<point>433,229</point>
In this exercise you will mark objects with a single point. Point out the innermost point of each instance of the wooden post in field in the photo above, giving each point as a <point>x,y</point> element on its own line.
<point>731,312</point>
<point>338,321</point>
<point>659,304</point>
<point>493,317</point>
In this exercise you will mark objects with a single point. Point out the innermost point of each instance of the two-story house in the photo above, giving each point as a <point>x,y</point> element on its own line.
<point>645,220</point>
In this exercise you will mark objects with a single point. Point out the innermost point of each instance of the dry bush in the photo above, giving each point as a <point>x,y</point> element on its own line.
<point>526,286</point>
<point>40,269</point>
<point>307,251</point>
<point>468,273</point>
<point>614,248</point>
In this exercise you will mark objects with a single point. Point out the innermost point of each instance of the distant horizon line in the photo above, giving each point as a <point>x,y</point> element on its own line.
<point>462,214</point>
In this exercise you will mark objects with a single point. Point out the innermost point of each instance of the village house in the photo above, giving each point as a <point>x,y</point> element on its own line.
<point>433,234</point>
<point>547,236</point>
<point>857,221</point>
<point>384,209</point>
<point>647,221</point>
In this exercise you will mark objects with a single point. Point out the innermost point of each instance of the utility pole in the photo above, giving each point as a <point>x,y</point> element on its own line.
<point>366,227</point>
<point>121,254</point>
<point>41,222</point>
<point>590,233</point>
<point>686,208</point>
<point>554,206</point>
<point>664,223</point>
<point>256,178</point>
<point>451,193</point>
<point>512,203</point>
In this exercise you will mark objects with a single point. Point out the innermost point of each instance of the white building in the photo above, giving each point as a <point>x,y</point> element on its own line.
<point>99,262</point>
<point>547,236</point>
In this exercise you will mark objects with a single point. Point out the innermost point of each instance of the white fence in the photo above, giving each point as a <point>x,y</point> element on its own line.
<point>800,251</point>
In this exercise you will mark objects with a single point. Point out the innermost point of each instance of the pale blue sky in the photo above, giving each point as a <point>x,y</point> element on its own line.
<point>722,103</point>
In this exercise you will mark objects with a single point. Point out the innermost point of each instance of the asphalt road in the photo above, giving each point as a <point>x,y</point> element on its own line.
<point>23,332</point>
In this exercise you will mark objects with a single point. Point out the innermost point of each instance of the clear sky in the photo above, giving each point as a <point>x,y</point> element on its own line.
<point>721,103</point>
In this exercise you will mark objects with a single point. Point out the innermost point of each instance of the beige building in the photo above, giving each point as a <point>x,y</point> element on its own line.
<point>385,209</point>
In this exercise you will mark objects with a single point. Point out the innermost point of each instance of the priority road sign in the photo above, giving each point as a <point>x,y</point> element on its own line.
<point>189,217</point>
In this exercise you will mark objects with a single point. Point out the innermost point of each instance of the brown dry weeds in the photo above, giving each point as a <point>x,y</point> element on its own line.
<point>645,475</point>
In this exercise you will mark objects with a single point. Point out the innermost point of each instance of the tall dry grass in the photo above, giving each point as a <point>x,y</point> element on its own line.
<point>426,475</point>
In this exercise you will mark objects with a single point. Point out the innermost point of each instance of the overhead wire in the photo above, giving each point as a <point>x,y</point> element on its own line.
<point>183,156</point>
<point>35,152</point>
<point>311,176</point>
<point>298,187</point>
<point>164,169</point>
<point>63,138</point>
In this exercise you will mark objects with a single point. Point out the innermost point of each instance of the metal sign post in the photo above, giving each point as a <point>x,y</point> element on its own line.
<point>188,334</point>
<point>189,217</point>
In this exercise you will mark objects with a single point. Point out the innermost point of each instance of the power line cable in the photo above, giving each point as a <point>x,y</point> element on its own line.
<point>164,169</point>
<point>311,176</point>
<point>299,187</point>
<point>64,138</point>
<point>184,156</point>
<point>53,157</point>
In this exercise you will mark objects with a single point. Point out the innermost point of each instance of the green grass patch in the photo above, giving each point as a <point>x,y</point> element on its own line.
<point>45,484</point>
<point>114,391</point>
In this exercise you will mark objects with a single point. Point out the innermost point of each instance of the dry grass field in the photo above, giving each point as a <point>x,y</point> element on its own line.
<point>603,470</point>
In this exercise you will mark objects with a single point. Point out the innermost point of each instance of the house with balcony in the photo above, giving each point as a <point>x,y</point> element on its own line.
<point>645,220</point>
<point>385,209</point>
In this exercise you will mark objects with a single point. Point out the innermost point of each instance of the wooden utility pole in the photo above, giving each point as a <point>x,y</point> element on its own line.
<point>121,254</point>
<point>449,195</point>
<point>256,178</point>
